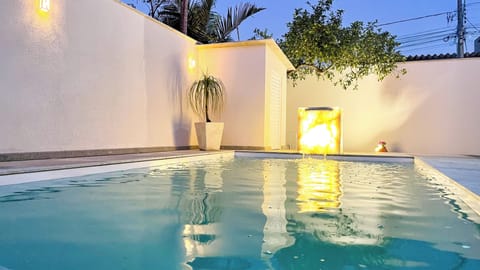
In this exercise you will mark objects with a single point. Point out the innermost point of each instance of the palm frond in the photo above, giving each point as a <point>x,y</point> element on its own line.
<point>229,23</point>
<point>200,16</point>
<point>204,24</point>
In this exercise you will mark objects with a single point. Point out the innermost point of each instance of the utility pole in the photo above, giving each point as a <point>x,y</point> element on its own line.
<point>460,29</point>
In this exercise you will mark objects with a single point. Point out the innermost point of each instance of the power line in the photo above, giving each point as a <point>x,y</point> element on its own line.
<point>431,39</point>
<point>472,24</point>
<point>414,19</point>
<point>426,16</point>
<point>438,37</point>
<point>473,3</point>
<point>426,47</point>
<point>419,43</point>
<point>426,34</point>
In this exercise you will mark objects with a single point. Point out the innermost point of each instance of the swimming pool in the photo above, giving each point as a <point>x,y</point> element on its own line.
<point>240,213</point>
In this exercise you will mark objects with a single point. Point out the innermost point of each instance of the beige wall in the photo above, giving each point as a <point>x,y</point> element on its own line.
<point>242,72</point>
<point>96,74</point>
<point>244,68</point>
<point>275,68</point>
<point>433,109</point>
<point>90,74</point>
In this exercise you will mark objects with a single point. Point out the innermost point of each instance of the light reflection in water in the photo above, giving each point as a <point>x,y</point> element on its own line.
<point>201,212</point>
<point>319,187</point>
<point>275,235</point>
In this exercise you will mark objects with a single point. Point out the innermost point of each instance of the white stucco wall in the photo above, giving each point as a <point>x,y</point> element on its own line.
<point>242,70</point>
<point>433,109</point>
<point>276,67</point>
<point>245,69</point>
<point>90,74</point>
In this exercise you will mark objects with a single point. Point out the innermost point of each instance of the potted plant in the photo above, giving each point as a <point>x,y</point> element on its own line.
<point>206,97</point>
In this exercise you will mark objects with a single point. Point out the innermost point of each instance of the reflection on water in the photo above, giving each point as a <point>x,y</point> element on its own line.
<point>242,214</point>
<point>319,187</point>
<point>201,211</point>
<point>322,209</point>
<point>275,235</point>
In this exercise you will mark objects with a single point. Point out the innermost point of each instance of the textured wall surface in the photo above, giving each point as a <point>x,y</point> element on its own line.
<point>90,74</point>
<point>245,70</point>
<point>96,74</point>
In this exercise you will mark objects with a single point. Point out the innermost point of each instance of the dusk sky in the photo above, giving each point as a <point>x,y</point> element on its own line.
<point>423,36</point>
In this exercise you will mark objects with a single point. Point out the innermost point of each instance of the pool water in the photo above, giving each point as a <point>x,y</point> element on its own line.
<point>242,213</point>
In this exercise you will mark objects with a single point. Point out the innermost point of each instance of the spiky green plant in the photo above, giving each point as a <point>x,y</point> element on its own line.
<point>207,95</point>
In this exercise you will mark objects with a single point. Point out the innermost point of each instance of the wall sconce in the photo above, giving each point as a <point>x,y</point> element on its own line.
<point>191,63</point>
<point>45,5</point>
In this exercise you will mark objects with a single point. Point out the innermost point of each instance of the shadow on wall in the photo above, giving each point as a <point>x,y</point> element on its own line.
<point>403,111</point>
<point>181,123</point>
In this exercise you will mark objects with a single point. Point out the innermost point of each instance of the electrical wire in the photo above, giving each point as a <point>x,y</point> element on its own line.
<point>425,32</point>
<point>414,19</point>
<point>414,37</point>
<point>472,24</point>
<point>426,47</point>
<point>472,3</point>
<point>421,43</point>
<point>420,40</point>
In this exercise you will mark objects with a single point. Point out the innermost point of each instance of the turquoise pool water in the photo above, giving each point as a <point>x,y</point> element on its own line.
<point>242,213</point>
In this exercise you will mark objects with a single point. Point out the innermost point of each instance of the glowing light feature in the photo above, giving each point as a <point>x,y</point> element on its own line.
<point>319,130</point>
<point>45,5</point>
<point>191,63</point>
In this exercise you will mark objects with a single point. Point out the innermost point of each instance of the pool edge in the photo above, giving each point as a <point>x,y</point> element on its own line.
<point>72,170</point>
<point>365,157</point>
<point>467,196</point>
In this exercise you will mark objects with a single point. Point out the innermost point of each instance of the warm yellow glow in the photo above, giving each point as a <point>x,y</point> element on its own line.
<point>319,130</point>
<point>191,63</point>
<point>319,187</point>
<point>45,5</point>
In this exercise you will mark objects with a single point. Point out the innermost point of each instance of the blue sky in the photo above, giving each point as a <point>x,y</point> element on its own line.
<point>423,36</point>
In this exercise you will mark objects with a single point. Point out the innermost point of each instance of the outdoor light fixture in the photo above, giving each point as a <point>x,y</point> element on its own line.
<point>319,130</point>
<point>45,5</point>
<point>191,63</point>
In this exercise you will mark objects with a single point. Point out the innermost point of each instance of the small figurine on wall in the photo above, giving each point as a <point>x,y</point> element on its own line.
<point>381,147</point>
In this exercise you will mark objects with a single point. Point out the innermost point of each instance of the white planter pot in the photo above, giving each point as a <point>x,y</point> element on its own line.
<point>209,135</point>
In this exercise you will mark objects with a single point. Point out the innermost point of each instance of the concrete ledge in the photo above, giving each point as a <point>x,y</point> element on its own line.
<point>88,153</point>
<point>41,173</point>
<point>238,147</point>
<point>366,157</point>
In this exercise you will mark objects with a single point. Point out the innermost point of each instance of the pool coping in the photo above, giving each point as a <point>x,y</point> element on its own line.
<point>365,157</point>
<point>467,196</point>
<point>43,173</point>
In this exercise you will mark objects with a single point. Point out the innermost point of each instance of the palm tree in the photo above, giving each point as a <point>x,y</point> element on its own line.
<point>226,25</point>
<point>184,17</point>
<point>203,23</point>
